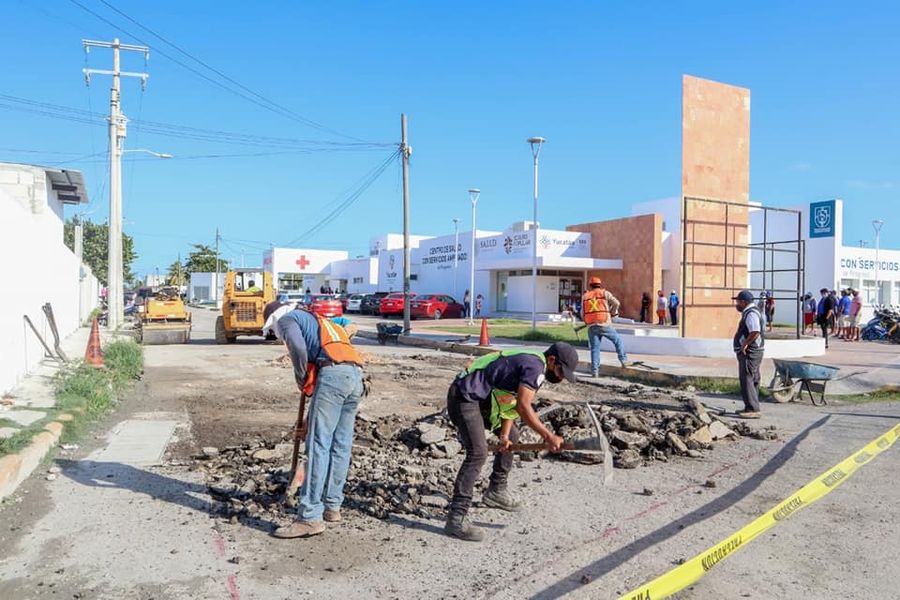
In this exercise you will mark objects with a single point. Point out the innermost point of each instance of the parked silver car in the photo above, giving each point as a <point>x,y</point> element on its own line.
<point>354,303</point>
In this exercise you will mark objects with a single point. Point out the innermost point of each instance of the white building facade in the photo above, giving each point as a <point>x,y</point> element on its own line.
<point>32,201</point>
<point>829,261</point>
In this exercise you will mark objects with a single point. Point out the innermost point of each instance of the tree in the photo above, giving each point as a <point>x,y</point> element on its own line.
<point>203,260</point>
<point>95,248</point>
<point>176,274</point>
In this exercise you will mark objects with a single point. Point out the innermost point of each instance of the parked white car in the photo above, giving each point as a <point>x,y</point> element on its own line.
<point>354,303</point>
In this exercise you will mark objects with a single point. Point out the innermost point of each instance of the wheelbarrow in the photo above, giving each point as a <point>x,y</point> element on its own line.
<point>812,378</point>
<point>388,332</point>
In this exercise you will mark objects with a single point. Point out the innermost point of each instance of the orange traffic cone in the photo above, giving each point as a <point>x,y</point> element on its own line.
<point>92,355</point>
<point>484,340</point>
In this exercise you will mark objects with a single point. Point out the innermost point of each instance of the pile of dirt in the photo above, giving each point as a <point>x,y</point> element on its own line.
<point>406,466</point>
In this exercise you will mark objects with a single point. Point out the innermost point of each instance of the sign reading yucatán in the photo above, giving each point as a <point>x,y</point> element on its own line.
<point>821,219</point>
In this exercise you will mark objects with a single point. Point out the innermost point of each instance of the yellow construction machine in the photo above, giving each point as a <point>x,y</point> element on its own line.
<point>163,319</point>
<point>247,291</point>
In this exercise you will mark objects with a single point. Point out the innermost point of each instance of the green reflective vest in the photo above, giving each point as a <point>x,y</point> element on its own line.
<point>503,402</point>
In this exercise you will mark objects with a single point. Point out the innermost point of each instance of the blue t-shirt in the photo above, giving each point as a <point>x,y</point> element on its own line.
<point>300,331</point>
<point>844,305</point>
<point>505,373</point>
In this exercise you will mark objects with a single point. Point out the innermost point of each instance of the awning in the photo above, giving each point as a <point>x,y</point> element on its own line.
<point>68,185</point>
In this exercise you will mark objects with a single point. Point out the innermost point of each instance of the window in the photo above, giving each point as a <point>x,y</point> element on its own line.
<point>357,280</point>
<point>868,292</point>
<point>896,299</point>
<point>848,283</point>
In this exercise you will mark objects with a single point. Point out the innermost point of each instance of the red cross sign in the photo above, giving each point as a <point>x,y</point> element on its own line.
<point>302,263</point>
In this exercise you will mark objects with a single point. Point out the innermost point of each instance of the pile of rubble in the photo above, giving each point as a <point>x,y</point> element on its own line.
<point>403,466</point>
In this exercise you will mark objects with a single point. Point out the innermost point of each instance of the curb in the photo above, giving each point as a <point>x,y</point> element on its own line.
<point>631,374</point>
<point>16,468</point>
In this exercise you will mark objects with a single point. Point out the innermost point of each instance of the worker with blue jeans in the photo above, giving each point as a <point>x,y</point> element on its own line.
<point>598,307</point>
<point>327,368</point>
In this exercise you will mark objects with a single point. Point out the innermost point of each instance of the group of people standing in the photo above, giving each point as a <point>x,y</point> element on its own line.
<point>666,308</point>
<point>467,305</point>
<point>835,314</point>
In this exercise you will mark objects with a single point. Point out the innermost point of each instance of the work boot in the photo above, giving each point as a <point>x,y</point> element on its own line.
<point>332,516</point>
<point>458,526</point>
<point>497,496</point>
<point>595,373</point>
<point>300,529</point>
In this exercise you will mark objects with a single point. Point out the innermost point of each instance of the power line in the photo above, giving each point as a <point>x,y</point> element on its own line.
<point>347,202</point>
<point>271,106</point>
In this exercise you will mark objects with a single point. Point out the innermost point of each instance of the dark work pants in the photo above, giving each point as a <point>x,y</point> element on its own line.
<point>825,325</point>
<point>748,372</point>
<point>673,314</point>
<point>466,416</point>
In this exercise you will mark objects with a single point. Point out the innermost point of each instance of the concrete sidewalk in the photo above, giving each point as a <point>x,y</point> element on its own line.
<point>865,367</point>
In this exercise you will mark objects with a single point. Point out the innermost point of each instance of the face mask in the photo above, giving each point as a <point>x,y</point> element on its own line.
<point>552,376</point>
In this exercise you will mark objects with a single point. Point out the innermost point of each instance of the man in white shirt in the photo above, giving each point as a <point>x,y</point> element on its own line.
<point>749,343</point>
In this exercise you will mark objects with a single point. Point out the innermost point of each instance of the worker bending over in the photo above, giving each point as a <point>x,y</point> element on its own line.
<point>491,394</point>
<point>328,369</point>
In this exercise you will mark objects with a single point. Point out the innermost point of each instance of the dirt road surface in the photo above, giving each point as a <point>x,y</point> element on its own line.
<point>124,520</point>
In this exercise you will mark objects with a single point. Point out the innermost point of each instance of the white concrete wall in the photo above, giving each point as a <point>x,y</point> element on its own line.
<point>31,240</point>
<point>520,293</point>
<point>349,272</point>
<point>201,286</point>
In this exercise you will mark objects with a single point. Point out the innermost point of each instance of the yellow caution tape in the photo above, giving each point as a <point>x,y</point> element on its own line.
<point>691,571</point>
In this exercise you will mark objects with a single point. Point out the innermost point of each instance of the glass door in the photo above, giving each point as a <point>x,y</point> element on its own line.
<point>502,290</point>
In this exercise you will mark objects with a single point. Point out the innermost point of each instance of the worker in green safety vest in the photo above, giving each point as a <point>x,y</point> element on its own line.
<point>492,393</point>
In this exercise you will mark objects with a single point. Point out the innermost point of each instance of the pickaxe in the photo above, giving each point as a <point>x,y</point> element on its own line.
<point>297,471</point>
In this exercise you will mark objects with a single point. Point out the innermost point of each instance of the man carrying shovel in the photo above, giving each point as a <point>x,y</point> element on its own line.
<point>491,394</point>
<point>328,370</point>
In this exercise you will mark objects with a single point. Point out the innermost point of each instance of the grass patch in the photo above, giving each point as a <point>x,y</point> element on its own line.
<point>86,392</point>
<point>877,396</point>
<point>519,330</point>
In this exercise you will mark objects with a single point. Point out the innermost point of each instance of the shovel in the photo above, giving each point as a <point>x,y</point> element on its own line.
<point>296,469</point>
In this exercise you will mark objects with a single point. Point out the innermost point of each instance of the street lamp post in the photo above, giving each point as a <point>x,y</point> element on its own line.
<point>536,143</point>
<point>876,225</point>
<point>474,193</point>
<point>456,257</point>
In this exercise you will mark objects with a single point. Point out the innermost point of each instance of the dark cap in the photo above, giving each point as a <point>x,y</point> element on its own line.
<point>744,295</point>
<point>566,356</point>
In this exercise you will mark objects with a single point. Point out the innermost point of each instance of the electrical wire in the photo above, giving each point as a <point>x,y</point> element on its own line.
<point>277,109</point>
<point>347,202</point>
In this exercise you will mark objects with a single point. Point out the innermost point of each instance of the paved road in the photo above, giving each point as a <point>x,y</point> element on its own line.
<point>112,525</point>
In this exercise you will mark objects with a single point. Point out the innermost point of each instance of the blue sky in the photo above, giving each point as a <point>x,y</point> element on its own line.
<point>601,81</point>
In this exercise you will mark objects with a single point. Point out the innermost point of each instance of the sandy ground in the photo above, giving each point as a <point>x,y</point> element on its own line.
<point>110,530</point>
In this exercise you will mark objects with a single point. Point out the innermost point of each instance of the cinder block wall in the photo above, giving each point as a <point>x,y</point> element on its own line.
<point>638,242</point>
<point>715,165</point>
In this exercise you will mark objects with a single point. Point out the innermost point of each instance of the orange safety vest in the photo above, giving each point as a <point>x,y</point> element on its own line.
<point>336,346</point>
<point>594,307</point>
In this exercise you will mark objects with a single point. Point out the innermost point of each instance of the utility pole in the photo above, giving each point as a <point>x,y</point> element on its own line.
<point>117,133</point>
<point>474,193</point>
<point>216,277</point>
<point>79,256</point>
<point>405,152</point>
<point>876,225</point>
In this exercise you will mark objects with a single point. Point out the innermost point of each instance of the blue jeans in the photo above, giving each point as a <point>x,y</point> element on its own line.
<point>329,439</point>
<point>596,333</point>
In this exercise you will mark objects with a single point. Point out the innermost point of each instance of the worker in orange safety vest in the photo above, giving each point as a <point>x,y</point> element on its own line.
<point>598,307</point>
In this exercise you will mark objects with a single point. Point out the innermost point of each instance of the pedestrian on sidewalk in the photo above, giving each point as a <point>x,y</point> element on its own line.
<point>467,304</point>
<point>661,306</point>
<point>809,313</point>
<point>673,307</point>
<point>855,314</point>
<point>494,391</point>
<point>843,314</point>
<point>479,300</point>
<point>770,311</point>
<point>645,307</point>
<point>825,313</point>
<point>328,370</point>
<point>749,345</point>
<point>599,307</point>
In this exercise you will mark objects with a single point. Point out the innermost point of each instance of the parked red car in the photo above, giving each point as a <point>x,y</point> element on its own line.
<point>392,304</point>
<point>435,306</point>
<point>324,305</point>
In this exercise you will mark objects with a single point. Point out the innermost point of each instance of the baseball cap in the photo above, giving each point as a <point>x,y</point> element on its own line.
<point>271,323</point>
<point>566,356</point>
<point>745,295</point>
